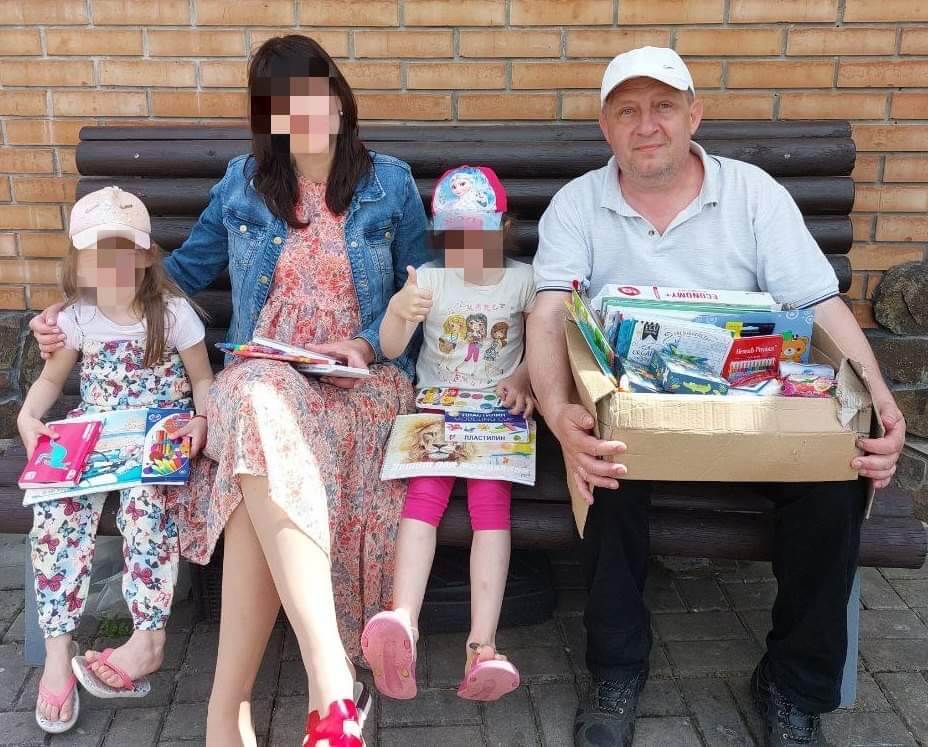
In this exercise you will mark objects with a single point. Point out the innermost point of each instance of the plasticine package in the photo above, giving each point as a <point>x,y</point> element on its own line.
<point>681,376</point>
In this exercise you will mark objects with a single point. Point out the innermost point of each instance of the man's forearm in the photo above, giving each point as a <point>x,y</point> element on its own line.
<point>546,354</point>
<point>837,320</point>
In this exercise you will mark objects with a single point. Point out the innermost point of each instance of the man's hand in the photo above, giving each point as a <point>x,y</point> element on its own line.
<point>879,463</point>
<point>411,303</point>
<point>584,453</point>
<point>355,353</point>
<point>47,334</point>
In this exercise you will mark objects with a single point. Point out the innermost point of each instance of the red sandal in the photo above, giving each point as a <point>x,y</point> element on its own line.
<point>341,728</point>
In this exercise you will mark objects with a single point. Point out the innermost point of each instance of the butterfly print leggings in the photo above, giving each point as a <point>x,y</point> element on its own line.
<point>63,538</point>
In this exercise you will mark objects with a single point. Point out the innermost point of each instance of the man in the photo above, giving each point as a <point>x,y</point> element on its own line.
<point>663,212</point>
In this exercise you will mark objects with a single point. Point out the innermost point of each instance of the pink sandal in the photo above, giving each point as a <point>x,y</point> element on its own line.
<point>487,680</point>
<point>95,686</point>
<point>389,645</point>
<point>59,699</point>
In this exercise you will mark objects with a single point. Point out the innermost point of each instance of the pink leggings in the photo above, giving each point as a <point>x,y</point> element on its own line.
<point>487,501</point>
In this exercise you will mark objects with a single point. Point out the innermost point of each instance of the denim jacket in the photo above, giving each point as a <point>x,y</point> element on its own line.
<point>385,230</point>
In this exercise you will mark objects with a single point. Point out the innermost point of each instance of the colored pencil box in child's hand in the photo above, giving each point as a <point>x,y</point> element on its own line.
<point>166,460</point>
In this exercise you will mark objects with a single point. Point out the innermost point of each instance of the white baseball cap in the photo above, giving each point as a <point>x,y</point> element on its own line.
<point>110,211</point>
<point>660,63</point>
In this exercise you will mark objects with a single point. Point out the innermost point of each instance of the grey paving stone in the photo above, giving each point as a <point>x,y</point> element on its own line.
<point>758,622</point>
<point>699,626</point>
<point>660,732</point>
<point>11,576</point>
<point>659,663</point>
<point>661,698</point>
<point>14,552</point>
<point>908,693</point>
<point>445,657</point>
<point>555,703</point>
<point>876,592</point>
<point>287,721</point>
<point>13,674</point>
<point>891,624</point>
<point>758,595</point>
<point>869,696</point>
<point>716,712</point>
<point>201,651</point>
<point>679,568</point>
<point>16,633</point>
<point>20,729</point>
<point>11,603</point>
<point>709,658</point>
<point>430,708</point>
<point>546,634</point>
<point>901,573</point>
<point>741,690</point>
<point>510,721</point>
<point>569,602</point>
<point>134,726</point>
<point>437,736</point>
<point>89,731</point>
<point>175,647</point>
<point>662,598</point>
<point>865,728</point>
<point>913,592</point>
<point>895,655</point>
<point>194,687</point>
<point>183,617</point>
<point>292,680</point>
<point>575,641</point>
<point>746,570</point>
<point>541,663</point>
<point>701,594</point>
<point>185,721</point>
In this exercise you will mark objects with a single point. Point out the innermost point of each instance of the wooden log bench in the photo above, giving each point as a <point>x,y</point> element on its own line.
<point>172,169</point>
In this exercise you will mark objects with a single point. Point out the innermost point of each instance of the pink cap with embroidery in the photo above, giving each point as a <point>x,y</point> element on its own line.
<point>468,198</point>
<point>109,211</point>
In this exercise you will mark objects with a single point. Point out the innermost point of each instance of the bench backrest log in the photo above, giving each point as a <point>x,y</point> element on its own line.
<point>173,168</point>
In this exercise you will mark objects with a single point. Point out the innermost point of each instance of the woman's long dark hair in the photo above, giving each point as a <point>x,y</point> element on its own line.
<point>276,62</point>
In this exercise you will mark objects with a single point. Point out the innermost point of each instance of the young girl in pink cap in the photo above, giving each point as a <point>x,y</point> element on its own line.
<point>474,285</point>
<point>141,344</point>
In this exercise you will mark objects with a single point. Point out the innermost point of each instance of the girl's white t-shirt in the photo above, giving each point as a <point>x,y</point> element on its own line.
<point>474,334</point>
<point>82,321</point>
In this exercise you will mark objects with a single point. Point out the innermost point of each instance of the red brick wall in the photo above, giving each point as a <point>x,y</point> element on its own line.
<point>68,63</point>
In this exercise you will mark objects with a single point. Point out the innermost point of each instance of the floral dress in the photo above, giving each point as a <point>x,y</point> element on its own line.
<point>319,446</point>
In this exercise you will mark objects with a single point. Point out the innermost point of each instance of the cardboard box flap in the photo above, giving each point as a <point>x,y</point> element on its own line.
<point>592,384</point>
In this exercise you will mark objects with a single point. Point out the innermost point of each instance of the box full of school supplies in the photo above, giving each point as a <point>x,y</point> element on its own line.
<point>703,436</point>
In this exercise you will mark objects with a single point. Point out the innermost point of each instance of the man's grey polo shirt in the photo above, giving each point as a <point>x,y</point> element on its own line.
<point>742,232</point>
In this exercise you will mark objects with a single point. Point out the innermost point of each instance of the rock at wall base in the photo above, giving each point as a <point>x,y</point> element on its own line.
<point>900,301</point>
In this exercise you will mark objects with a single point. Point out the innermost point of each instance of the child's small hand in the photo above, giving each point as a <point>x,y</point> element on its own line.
<point>515,394</point>
<point>197,430</point>
<point>30,429</point>
<point>411,303</point>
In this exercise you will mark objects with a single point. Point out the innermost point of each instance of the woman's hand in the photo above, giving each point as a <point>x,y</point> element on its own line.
<point>515,393</point>
<point>30,429</point>
<point>356,353</point>
<point>197,429</point>
<point>46,332</point>
<point>411,303</point>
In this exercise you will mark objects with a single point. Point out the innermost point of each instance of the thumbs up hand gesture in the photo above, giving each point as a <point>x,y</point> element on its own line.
<point>411,303</point>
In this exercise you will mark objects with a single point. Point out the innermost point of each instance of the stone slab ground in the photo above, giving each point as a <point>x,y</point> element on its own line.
<point>709,625</point>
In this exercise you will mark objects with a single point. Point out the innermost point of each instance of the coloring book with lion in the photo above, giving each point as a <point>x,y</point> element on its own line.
<point>418,447</point>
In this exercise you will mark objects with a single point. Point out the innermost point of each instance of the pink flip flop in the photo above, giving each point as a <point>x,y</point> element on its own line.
<point>389,645</point>
<point>59,699</point>
<point>95,686</point>
<point>488,680</point>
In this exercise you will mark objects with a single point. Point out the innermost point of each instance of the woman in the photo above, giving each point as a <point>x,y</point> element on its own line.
<point>316,233</point>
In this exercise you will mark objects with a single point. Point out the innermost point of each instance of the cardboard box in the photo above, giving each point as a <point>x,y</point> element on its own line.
<point>730,439</point>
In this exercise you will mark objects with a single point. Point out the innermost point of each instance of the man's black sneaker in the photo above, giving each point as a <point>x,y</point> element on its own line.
<point>606,714</point>
<point>785,723</point>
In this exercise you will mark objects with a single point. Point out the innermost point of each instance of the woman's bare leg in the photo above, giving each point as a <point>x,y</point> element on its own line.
<point>249,609</point>
<point>303,577</point>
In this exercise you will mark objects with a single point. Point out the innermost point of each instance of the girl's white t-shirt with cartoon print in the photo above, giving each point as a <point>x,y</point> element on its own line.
<point>81,322</point>
<point>474,334</point>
